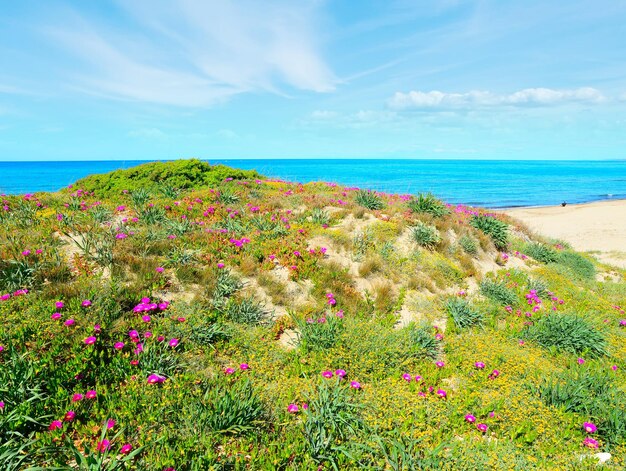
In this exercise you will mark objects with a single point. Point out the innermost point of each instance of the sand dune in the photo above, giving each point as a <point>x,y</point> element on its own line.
<point>597,227</point>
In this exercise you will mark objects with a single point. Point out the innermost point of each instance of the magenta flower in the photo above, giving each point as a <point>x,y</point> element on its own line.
<point>127,448</point>
<point>482,427</point>
<point>133,334</point>
<point>77,397</point>
<point>407,377</point>
<point>292,408</point>
<point>494,374</point>
<point>103,446</point>
<point>86,303</point>
<point>146,318</point>
<point>327,374</point>
<point>581,361</point>
<point>173,342</point>
<point>470,418</point>
<point>118,345</point>
<point>441,393</point>
<point>244,367</point>
<point>110,423</point>
<point>55,424</point>
<point>90,340</point>
<point>440,364</point>
<point>26,253</point>
<point>59,304</point>
<point>340,314</point>
<point>590,442</point>
<point>340,373</point>
<point>91,394</point>
<point>229,371</point>
<point>69,322</point>
<point>159,270</point>
<point>69,416</point>
<point>155,378</point>
<point>418,378</point>
<point>220,265</point>
<point>355,385</point>
<point>590,427</point>
<point>479,364</point>
<point>1,405</point>
<point>614,367</point>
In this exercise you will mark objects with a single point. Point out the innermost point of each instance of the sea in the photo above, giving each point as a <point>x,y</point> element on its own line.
<point>486,183</point>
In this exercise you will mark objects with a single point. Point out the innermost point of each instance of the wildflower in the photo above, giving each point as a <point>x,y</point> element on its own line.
<point>470,418</point>
<point>69,416</point>
<point>292,408</point>
<point>244,367</point>
<point>26,253</point>
<point>418,378</point>
<point>622,323</point>
<point>439,337</point>
<point>355,385</point>
<point>110,424</point>
<point>59,304</point>
<point>77,397</point>
<point>407,377</point>
<point>220,265</point>
<point>590,442</point>
<point>127,448</point>
<point>327,374</point>
<point>590,427</point>
<point>441,393</point>
<point>118,345</point>
<point>614,367</point>
<point>55,424</point>
<point>103,446</point>
<point>133,334</point>
<point>86,303</point>
<point>69,322</point>
<point>340,314</point>
<point>494,374</point>
<point>440,364</point>
<point>146,318</point>
<point>90,340</point>
<point>581,361</point>
<point>181,319</point>
<point>147,334</point>
<point>1,405</point>
<point>158,270</point>
<point>91,394</point>
<point>479,364</point>
<point>229,371</point>
<point>173,343</point>
<point>97,328</point>
<point>482,427</point>
<point>160,338</point>
<point>340,373</point>
<point>155,378</point>
<point>121,235</point>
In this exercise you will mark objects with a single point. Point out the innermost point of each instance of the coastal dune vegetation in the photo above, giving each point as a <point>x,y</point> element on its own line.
<point>186,316</point>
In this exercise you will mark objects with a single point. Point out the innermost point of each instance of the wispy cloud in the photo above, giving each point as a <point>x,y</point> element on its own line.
<point>436,100</point>
<point>196,53</point>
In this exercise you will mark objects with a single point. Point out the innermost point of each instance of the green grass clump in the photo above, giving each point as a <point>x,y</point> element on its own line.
<point>426,236</point>
<point>541,252</point>
<point>468,244</point>
<point>427,203</point>
<point>577,265</point>
<point>498,292</point>
<point>462,313</point>
<point>497,230</point>
<point>568,333</point>
<point>369,199</point>
<point>246,311</point>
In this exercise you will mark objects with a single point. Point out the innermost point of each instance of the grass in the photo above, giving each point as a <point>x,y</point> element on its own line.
<point>198,375</point>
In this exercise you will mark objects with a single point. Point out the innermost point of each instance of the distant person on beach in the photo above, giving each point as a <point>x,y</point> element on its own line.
<point>563,204</point>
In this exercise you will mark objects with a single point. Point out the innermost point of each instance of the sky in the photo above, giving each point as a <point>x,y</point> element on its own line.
<point>219,79</point>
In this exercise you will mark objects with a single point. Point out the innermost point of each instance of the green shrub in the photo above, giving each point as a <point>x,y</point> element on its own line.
<point>140,197</point>
<point>541,252</point>
<point>468,244</point>
<point>227,196</point>
<point>16,275</point>
<point>577,265</point>
<point>569,334</point>
<point>319,334</point>
<point>246,311</point>
<point>498,292</point>
<point>539,286</point>
<point>462,314</point>
<point>369,199</point>
<point>421,342</point>
<point>497,230</point>
<point>426,236</point>
<point>427,203</point>
<point>319,216</point>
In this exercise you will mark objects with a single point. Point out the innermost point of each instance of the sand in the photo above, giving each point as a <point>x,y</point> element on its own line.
<point>599,228</point>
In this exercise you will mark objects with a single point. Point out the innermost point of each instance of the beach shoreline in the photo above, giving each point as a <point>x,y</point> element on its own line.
<point>598,227</point>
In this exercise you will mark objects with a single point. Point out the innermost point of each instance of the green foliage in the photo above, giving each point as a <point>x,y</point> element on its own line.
<point>577,265</point>
<point>319,334</point>
<point>405,453</point>
<point>422,343</point>
<point>468,244</point>
<point>369,199</point>
<point>182,174</point>
<point>462,313</point>
<point>232,408</point>
<point>16,274</point>
<point>427,203</point>
<point>227,196</point>
<point>152,214</point>
<point>246,311</point>
<point>540,286</point>
<point>497,291</point>
<point>541,252</point>
<point>497,230</point>
<point>568,333</point>
<point>319,216</point>
<point>426,236</point>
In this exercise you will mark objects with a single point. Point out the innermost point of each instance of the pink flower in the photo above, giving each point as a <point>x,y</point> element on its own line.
<point>229,371</point>
<point>482,427</point>
<point>90,340</point>
<point>77,397</point>
<point>159,270</point>
<point>146,318</point>
<point>59,304</point>
<point>220,265</point>
<point>581,361</point>
<point>69,416</point>
<point>407,377</point>
<point>103,446</point>
<point>127,448</point>
<point>441,393</point>
<point>292,408</point>
<point>133,334</point>
<point>1,405</point>
<point>614,367</point>
<point>590,427</point>
<point>118,345</point>
<point>494,374</point>
<point>155,378</point>
<point>590,442</point>
<point>55,424</point>
<point>244,367</point>
<point>173,342</point>
<point>418,378</point>
<point>327,374</point>
<point>340,373</point>
<point>110,423</point>
<point>91,394</point>
<point>86,303</point>
<point>470,418</point>
<point>479,364</point>
<point>355,385</point>
<point>440,364</point>
<point>340,314</point>
<point>69,322</point>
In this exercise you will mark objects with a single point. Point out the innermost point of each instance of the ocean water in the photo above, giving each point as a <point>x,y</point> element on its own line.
<point>480,182</point>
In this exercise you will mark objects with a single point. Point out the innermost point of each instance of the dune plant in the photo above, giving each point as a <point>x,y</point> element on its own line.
<point>497,230</point>
<point>246,311</point>
<point>369,200</point>
<point>497,291</point>
<point>462,314</point>
<point>427,203</point>
<point>468,244</point>
<point>426,236</point>
<point>541,252</point>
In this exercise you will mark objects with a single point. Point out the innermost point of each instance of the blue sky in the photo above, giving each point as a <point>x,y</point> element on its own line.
<point>155,79</point>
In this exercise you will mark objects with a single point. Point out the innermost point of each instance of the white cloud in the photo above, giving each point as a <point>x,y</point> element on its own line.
<point>434,100</point>
<point>196,53</point>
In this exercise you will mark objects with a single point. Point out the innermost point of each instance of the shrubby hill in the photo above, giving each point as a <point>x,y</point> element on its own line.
<point>186,316</point>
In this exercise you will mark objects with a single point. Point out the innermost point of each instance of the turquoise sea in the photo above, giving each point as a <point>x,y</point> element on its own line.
<point>503,183</point>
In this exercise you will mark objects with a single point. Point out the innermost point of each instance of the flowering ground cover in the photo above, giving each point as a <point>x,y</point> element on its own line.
<point>180,316</point>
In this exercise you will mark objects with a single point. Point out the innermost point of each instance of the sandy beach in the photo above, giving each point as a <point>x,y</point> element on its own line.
<point>598,227</point>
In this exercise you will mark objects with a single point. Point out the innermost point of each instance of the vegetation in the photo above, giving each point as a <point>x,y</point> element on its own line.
<point>194,317</point>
